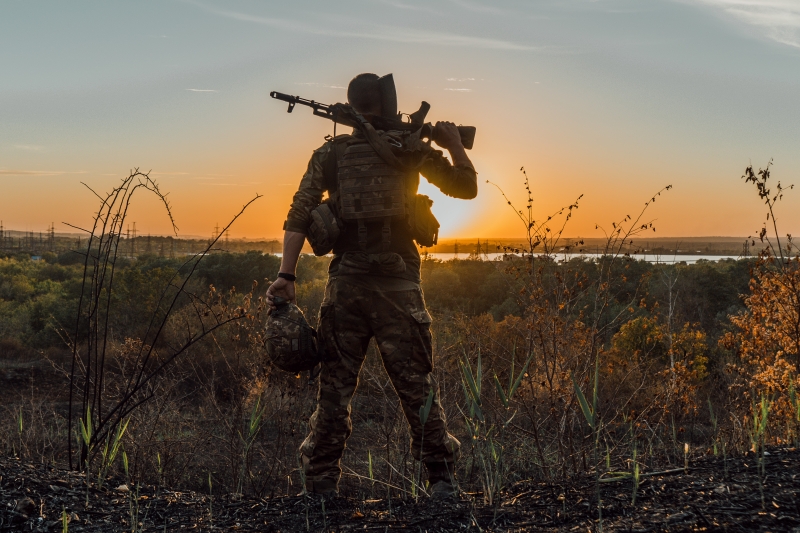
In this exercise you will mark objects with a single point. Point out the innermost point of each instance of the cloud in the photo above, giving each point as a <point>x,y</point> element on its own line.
<point>402,5</point>
<point>317,84</point>
<point>460,90</point>
<point>37,172</point>
<point>377,32</point>
<point>460,79</point>
<point>478,8</point>
<point>203,90</point>
<point>30,147</point>
<point>780,19</point>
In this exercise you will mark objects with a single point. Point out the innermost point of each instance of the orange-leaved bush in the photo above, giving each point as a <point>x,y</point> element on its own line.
<point>767,339</point>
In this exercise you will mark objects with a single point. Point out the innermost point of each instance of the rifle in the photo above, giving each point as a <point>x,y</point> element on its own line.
<point>344,114</point>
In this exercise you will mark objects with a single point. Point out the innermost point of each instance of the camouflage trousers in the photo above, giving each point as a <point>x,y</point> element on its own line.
<point>349,317</point>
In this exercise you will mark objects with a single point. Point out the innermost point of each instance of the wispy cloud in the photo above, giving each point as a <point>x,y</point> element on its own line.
<point>478,7</point>
<point>12,172</point>
<point>157,173</point>
<point>317,84</point>
<point>377,32</point>
<point>779,18</point>
<point>460,90</point>
<point>460,79</point>
<point>203,90</point>
<point>28,147</point>
<point>403,5</point>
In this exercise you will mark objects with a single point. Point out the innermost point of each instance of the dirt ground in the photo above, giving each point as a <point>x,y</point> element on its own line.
<point>714,495</point>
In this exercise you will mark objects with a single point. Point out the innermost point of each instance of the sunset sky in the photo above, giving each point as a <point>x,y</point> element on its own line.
<point>612,99</point>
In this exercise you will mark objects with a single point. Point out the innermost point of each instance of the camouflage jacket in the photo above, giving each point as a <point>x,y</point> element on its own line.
<point>455,181</point>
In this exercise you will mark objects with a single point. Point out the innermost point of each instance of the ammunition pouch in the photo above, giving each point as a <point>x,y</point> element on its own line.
<point>324,229</point>
<point>424,226</point>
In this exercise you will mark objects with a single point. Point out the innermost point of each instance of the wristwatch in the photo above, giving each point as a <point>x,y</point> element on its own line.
<point>287,276</point>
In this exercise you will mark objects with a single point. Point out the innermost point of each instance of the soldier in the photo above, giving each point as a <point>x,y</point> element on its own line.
<point>373,287</point>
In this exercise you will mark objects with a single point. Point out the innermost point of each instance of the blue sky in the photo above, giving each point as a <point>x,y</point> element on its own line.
<point>610,99</point>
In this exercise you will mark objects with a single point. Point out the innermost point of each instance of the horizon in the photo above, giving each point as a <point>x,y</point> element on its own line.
<point>8,231</point>
<point>612,100</point>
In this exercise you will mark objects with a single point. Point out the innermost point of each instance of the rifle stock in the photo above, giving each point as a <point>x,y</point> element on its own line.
<point>467,134</point>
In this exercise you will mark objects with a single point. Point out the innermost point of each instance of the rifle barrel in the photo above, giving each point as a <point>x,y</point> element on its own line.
<point>281,96</point>
<point>292,100</point>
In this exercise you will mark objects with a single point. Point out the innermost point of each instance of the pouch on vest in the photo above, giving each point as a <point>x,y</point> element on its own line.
<point>324,229</point>
<point>424,226</point>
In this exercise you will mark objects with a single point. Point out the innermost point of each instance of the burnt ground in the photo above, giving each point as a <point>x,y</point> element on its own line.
<point>714,495</point>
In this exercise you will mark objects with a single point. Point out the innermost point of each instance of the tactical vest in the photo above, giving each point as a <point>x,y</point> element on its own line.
<point>369,195</point>
<point>370,192</point>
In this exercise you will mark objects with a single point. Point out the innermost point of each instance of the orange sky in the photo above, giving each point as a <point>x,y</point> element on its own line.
<point>612,100</point>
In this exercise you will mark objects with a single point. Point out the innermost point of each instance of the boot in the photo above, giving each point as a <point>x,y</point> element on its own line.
<point>441,481</point>
<point>326,488</point>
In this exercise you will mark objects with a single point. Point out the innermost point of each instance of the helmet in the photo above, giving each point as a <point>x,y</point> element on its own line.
<point>388,96</point>
<point>291,343</point>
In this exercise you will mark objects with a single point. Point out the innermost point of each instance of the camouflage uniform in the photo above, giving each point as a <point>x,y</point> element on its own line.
<point>385,302</point>
<point>350,316</point>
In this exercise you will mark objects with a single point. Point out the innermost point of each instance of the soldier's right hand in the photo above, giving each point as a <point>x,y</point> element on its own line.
<point>446,135</point>
<point>282,288</point>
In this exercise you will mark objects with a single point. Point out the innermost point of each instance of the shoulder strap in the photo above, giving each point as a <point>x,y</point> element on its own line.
<point>381,146</point>
<point>378,143</point>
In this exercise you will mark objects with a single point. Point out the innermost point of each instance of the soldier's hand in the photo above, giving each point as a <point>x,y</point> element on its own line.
<point>446,135</point>
<point>282,288</point>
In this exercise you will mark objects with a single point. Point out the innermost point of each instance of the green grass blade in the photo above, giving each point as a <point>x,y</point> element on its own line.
<point>596,389</point>
<point>473,387</point>
<point>521,375</point>
<point>587,411</point>
<point>479,374</point>
<point>500,392</point>
<point>511,374</point>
